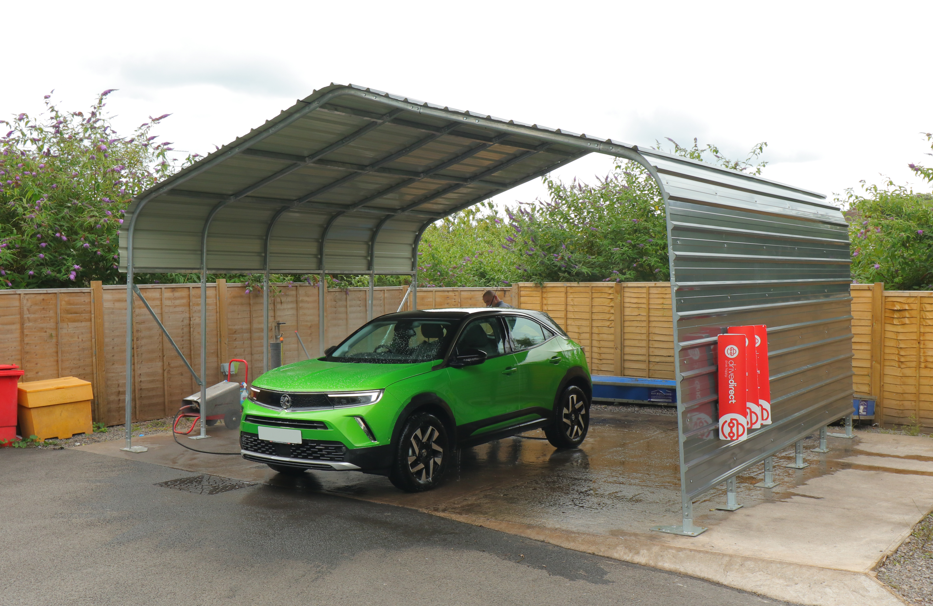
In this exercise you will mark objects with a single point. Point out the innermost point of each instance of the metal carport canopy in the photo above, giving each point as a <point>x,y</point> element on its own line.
<point>348,179</point>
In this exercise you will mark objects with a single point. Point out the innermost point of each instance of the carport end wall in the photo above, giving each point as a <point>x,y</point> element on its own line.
<point>784,250</point>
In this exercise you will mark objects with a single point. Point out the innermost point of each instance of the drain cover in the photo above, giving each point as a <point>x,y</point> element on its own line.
<point>205,484</point>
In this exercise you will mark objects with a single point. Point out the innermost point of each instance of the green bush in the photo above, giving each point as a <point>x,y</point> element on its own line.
<point>66,179</point>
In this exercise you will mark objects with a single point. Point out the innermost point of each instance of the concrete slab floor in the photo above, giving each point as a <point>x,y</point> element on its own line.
<point>813,539</point>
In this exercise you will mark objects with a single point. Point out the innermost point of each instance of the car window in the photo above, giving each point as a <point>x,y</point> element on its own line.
<point>402,341</point>
<point>484,334</point>
<point>525,333</point>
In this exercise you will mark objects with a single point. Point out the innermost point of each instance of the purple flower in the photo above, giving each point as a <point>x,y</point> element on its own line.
<point>77,267</point>
<point>72,276</point>
<point>247,292</point>
<point>107,92</point>
<point>42,244</point>
<point>86,245</point>
<point>64,239</point>
<point>30,273</point>
<point>108,213</point>
<point>120,221</point>
<point>855,254</point>
<point>41,256</point>
<point>876,266</point>
<point>919,232</point>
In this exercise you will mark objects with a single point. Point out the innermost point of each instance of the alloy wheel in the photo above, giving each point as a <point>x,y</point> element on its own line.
<point>425,454</point>
<point>573,416</point>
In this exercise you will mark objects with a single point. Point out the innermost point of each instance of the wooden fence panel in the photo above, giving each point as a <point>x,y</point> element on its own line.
<point>75,333</point>
<point>626,329</point>
<point>862,295</point>
<point>114,357</point>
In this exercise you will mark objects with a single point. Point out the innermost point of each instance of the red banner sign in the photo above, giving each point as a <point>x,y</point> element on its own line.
<point>751,375</point>
<point>733,418</point>
<point>764,376</point>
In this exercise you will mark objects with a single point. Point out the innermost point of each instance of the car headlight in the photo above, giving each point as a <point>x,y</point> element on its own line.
<point>354,398</point>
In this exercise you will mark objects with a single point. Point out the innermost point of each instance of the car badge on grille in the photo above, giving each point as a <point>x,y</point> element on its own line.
<point>286,402</point>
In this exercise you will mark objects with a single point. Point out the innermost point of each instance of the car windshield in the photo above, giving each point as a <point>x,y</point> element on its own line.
<point>402,341</point>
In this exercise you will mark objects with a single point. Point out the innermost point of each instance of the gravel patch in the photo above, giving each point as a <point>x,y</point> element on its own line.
<point>106,434</point>
<point>909,570</point>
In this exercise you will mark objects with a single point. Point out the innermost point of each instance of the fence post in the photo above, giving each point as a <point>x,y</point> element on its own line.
<point>221,288</point>
<point>617,329</point>
<point>517,296</point>
<point>877,349</point>
<point>98,359</point>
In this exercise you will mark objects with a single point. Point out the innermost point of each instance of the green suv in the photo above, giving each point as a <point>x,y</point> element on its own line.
<point>400,395</point>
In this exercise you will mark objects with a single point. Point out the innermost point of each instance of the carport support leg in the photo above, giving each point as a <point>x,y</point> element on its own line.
<point>265,322</point>
<point>769,475</point>
<point>798,456</point>
<point>822,447</point>
<point>369,302</point>
<point>129,355</point>
<point>687,529</point>
<point>203,402</point>
<point>731,501</point>
<point>848,434</point>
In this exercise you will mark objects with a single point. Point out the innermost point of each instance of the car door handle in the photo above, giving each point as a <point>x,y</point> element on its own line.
<point>509,370</point>
<point>556,359</point>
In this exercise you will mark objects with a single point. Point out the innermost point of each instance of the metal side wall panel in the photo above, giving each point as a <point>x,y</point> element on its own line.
<point>744,251</point>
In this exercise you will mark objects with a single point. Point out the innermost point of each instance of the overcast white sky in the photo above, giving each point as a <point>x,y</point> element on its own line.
<point>839,90</point>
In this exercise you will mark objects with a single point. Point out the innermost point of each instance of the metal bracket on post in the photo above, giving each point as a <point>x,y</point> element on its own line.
<point>848,435</point>
<point>823,447</point>
<point>731,502</point>
<point>798,457</point>
<point>687,529</point>
<point>768,482</point>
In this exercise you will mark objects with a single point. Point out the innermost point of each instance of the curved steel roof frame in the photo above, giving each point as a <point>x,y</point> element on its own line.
<point>420,163</point>
<point>348,179</point>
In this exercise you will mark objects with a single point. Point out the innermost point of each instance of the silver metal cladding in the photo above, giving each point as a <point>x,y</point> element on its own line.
<point>744,251</point>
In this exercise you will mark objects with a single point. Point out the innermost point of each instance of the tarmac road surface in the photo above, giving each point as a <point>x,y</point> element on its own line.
<point>79,528</point>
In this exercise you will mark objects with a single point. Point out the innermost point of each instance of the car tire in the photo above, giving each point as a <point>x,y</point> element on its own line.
<point>572,419</point>
<point>422,454</point>
<point>287,471</point>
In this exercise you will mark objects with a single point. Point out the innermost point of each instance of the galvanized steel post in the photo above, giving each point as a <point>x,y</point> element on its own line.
<point>265,320</point>
<point>823,447</point>
<point>322,303</point>
<point>203,401</point>
<point>798,457</point>
<point>731,501</point>
<point>768,482</point>
<point>369,306</point>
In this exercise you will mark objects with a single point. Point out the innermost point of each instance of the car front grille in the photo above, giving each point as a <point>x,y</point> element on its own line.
<point>291,423</point>
<point>299,401</point>
<point>309,450</point>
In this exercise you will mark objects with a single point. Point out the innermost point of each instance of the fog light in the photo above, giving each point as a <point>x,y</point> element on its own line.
<point>365,428</point>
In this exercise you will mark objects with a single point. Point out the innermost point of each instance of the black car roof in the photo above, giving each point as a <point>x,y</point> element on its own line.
<point>458,313</point>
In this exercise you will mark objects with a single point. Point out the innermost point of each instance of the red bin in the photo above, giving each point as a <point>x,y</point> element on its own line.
<point>9,377</point>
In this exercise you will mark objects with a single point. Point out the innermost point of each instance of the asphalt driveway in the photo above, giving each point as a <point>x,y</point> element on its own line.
<point>81,528</point>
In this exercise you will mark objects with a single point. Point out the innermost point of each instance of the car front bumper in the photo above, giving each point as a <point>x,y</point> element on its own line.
<point>316,454</point>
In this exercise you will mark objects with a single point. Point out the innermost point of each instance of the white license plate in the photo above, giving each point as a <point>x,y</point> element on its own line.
<point>282,436</point>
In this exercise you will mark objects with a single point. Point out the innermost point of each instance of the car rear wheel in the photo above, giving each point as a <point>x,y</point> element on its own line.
<point>572,419</point>
<point>422,454</point>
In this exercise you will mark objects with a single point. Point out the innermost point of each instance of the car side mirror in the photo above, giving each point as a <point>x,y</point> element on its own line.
<point>470,357</point>
<point>330,350</point>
